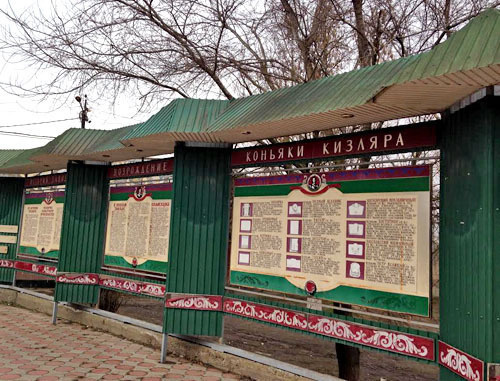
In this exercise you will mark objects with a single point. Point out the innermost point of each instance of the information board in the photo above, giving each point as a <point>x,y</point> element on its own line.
<point>41,224</point>
<point>138,227</point>
<point>359,237</point>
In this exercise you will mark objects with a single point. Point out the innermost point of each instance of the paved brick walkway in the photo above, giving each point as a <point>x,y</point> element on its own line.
<point>33,349</point>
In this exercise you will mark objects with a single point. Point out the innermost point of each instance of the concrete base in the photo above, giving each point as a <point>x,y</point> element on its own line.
<point>189,350</point>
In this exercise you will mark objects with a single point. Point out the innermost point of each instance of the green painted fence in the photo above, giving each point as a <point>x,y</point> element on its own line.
<point>470,232</point>
<point>83,227</point>
<point>198,235</point>
<point>11,200</point>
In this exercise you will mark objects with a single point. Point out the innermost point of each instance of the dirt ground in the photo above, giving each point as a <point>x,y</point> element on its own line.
<point>293,347</point>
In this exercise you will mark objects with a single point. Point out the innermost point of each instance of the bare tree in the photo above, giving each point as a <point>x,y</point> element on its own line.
<point>217,48</point>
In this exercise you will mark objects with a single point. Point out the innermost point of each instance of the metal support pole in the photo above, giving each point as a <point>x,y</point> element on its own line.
<point>14,279</point>
<point>54,313</point>
<point>221,338</point>
<point>164,342</point>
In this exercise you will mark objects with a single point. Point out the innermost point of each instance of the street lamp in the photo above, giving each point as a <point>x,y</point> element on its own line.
<point>85,110</point>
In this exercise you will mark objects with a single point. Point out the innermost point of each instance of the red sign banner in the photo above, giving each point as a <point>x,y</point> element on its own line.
<point>42,181</point>
<point>196,302</point>
<point>399,139</point>
<point>36,268</point>
<point>393,341</point>
<point>133,286</point>
<point>466,366</point>
<point>71,278</point>
<point>143,169</point>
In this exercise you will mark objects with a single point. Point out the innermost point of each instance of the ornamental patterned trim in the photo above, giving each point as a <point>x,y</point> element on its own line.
<point>36,268</point>
<point>74,278</point>
<point>268,314</point>
<point>393,341</point>
<point>196,302</point>
<point>466,366</point>
<point>133,286</point>
<point>6,263</point>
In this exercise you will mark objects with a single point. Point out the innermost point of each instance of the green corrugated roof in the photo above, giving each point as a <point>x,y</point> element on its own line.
<point>181,116</point>
<point>468,60</point>
<point>476,45</point>
<point>9,154</point>
<point>111,140</point>
<point>335,92</point>
<point>21,159</point>
<point>72,142</point>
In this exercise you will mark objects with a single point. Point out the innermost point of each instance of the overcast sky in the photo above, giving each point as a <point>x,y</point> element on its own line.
<point>15,110</point>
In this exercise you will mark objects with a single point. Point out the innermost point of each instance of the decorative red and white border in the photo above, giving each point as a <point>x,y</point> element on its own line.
<point>133,286</point>
<point>74,278</point>
<point>393,341</point>
<point>5,263</point>
<point>466,366</point>
<point>265,313</point>
<point>36,268</point>
<point>421,347</point>
<point>196,302</point>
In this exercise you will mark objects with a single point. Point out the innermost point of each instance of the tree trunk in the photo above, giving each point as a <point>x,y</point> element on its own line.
<point>364,51</point>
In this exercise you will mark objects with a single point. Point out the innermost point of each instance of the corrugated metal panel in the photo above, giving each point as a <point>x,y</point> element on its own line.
<point>496,233</point>
<point>21,159</point>
<point>195,115</point>
<point>335,92</point>
<point>181,115</point>
<point>82,234</point>
<point>476,45</point>
<point>72,142</point>
<point>156,124</point>
<point>9,154</point>
<point>111,140</point>
<point>22,164</point>
<point>11,199</point>
<point>198,235</point>
<point>111,147</point>
<point>467,234</point>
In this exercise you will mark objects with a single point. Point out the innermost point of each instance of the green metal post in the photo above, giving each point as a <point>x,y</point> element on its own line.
<point>470,232</point>
<point>11,201</point>
<point>198,235</point>
<point>83,227</point>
